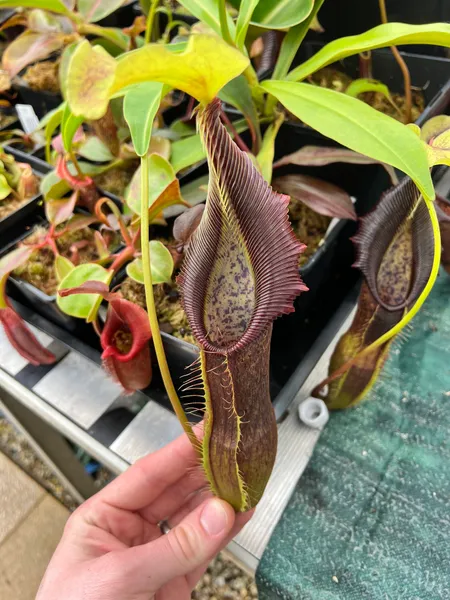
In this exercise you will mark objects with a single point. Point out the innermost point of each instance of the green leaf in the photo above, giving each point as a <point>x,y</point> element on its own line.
<point>357,126</point>
<point>81,305</point>
<point>48,116</point>
<point>64,66</point>
<point>180,129</point>
<point>189,151</point>
<point>94,149</point>
<point>195,191</point>
<point>52,122</point>
<point>114,35</point>
<point>389,34</point>
<point>243,21</point>
<point>207,11</point>
<point>237,93</point>
<point>63,266</point>
<point>289,47</point>
<point>5,189</point>
<point>44,22</point>
<point>53,187</point>
<point>186,152</point>
<point>140,107</point>
<point>277,14</point>
<point>107,44</point>
<point>160,177</point>
<point>69,126</point>
<point>95,10</point>
<point>267,152</point>
<point>360,86</point>
<point>145,6</point>
<point>161,263</point>
<point>56,6</point>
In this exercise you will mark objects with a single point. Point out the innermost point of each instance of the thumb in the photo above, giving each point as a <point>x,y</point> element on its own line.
<point>189,545</point>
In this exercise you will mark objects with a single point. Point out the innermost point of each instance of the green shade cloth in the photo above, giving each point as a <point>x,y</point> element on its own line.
<point>370,517</point>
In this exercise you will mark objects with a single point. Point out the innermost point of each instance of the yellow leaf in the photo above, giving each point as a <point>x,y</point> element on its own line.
<point>207,64</point>
<point>435,134</point>
<point>89,79</point>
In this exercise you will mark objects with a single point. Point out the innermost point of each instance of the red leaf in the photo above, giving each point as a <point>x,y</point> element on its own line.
<point>21,338</point>
<point>318,156</point>
<point>89,287</point>
<point>320,196</point>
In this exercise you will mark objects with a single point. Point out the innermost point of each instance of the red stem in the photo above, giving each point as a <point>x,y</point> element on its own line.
<point>122,258</point>
<point>102,217</point>
<point>189,109</point>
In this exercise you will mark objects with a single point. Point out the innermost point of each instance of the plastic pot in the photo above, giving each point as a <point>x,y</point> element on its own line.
<point>42,102</point>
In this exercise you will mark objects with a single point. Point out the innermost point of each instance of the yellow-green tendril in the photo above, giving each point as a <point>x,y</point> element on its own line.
<point>151,309</point>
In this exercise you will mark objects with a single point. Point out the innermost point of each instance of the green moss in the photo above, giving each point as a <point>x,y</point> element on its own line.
<point>171,315</point>
<point>309,227</point>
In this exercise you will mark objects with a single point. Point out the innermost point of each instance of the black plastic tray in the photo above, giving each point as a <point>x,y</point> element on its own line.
<point>181,354</point>
<point>42,102</point>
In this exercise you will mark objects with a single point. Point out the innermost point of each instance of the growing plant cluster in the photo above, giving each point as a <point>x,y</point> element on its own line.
<point>171,205</point>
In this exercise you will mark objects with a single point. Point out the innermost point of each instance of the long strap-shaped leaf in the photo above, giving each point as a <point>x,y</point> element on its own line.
<point>240,272</point>
<point>382,36</point>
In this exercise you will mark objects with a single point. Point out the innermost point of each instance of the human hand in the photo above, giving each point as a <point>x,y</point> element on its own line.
<point>113,549</point>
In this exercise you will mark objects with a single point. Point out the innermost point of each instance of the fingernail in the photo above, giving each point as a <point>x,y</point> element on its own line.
<point>214,517</point>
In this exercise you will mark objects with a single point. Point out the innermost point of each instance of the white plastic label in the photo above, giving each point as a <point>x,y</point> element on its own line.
<point>27,117</point>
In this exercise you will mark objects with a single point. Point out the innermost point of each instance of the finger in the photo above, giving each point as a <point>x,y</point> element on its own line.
<point>188,546</point>
<point>190,504</point>
<point>149,476</point>
<point>175,496</point>
<point>241,519</point>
